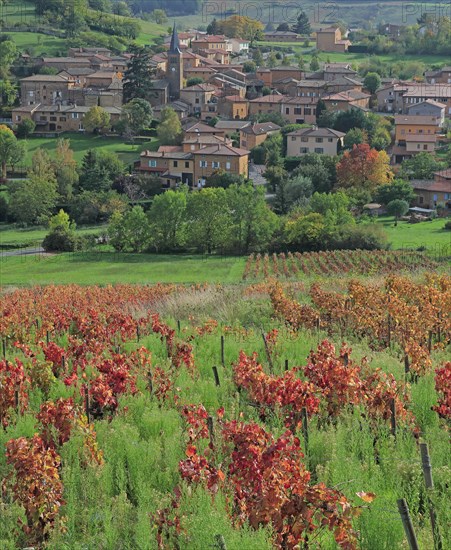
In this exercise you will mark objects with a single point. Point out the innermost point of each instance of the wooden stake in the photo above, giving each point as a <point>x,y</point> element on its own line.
<point>407,523</point>
<point>87,402</point>
<point>222,351</point>
<point>268,353</point>
<point>47,337</point>
<point>430,341</point>
<point>304,420</point>
<point>178,326</point>
<point>216,375</point>
<point>137,333</point>
<point>429,482</point>
<point>393,417</point>
<point>149,382</point>
<point>16,399</point>
<point>4,348</point>
<point>211,430</point>
<point>286,364</point>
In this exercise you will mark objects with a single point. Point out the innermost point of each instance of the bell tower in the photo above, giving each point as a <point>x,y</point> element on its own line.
<point>175,66</point>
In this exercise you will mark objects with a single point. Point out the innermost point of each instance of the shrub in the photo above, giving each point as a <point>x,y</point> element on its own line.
<point>362,236</point>
<point>60,240</point>
<point>447,226</point>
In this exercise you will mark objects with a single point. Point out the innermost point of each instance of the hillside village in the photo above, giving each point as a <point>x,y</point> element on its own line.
<point>236,116</point>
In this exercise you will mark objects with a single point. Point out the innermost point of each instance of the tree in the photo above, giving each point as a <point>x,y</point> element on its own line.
<point>121,8</point>
<point>213,27</point>
<point>61,236</point>
<point>333,206</point>
<point>65,167</point>
<point>238,26</point>
<point>314,63</point>
<point>249,67</point>
<point>283,27</point>
<point>271,60</point>
<point>297,189</point>
<point>18,154</point>
<point>130,232</point>
<point>96,207</point>
<point>305,232</point>
<point>224,179</point>
<point>355,136</point>
<point>8,93</point>
<point>397,208</point>
<point>96,119</point>
<point>346,120</point>
<point>302,25</point>
<point>8,148</point>
<point>99,170</point>
<point>25,128</point>
<point>320,169</point>
<point>33,200</point>
<point>137,114</point>
<point>193,81</point>
<point>159,16</point>
<point>8,53</point>
<point>421,166</point>
<point>397,190</point>
<point>138,75</point>
<point>169,131</point>
<point>371,82</point>
<point>363,168</point>
<point>381,139</point>
<point>257,57</point>
<point>208,219</point>
<point>252,222</point>
<point>167,219</point>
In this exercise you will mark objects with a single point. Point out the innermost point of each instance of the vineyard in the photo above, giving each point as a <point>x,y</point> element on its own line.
<point>335,262</point>
<point>259,417</point>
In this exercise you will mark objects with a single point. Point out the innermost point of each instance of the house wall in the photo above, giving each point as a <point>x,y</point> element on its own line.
<point>297,147</point>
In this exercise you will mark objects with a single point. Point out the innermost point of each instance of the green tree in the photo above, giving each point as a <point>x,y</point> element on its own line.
<point>355,136</point>
<point>8,147</point>
<point>372,82</point>
<point>334,207</point>
<point>420,167</point>
<point>302,25</point>
<point>397,190</point>
<point>249,67</point>
<point>61,236</point>
<point>397,208</point>
<point>167,219</point>
<point>139,74</point>
<point>32,200</point>
<point>8,53</point>
<point>271,61</point>
<point>297,190</point>
<point>99,170</point>
<point>96,119</point>
<point>252,222</point>
<point>208,219</point>
<point>90,207</point>
<point>169,131</point>
<point>137,114</point>
<point>159,16</point>
<point>193,81</point>
<point>25,128</point>
<point>305,232</point>
<point>121,8</point>
<point>130,232</point>
<point>8,93</point>
<point>213,27</point>
<point>314,63</point>
<point>257,57</point>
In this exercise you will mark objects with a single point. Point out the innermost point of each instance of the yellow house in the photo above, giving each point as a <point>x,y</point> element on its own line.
<point>415,125</point>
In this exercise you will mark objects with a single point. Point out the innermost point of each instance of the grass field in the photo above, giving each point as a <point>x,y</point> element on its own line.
<point>407,235</point>
<point>38,44</point>
<point>105,267</point>
<point>33,236</point>
<point>81,143</point>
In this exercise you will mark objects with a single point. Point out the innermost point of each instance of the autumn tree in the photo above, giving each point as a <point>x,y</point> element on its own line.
<point>238,26</point>
<point>363,168</point>
<point>65,167</point>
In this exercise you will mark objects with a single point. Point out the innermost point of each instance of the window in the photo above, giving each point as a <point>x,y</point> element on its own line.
<point>31,93</point>
<point>293,138</point>
<point>18,118</point>
<point>176,163</point>
<point>152,163</point>
<point>203,164</point>
<point>74,115</point>
<point>425,146</point>
<point>420,131</point>
<point>421,199</point>
<point>192,147</point>
<point>53,119</point>
<point>215,164</point>
<point>418,146</point>
<point>303,138</point>
<point>330,140</point>
<point>403,131</point>
<point>197,100</point>
<point>186,164</point>
<point>318,140</point>
<point>319,150</point>
<point>298,110</point>
<point>287,110</point>
<point>303,150</point>
<point>307,111</point>
<point>227,165</point>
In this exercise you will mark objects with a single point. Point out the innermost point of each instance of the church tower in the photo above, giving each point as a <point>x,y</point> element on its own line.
<point>175,67</point>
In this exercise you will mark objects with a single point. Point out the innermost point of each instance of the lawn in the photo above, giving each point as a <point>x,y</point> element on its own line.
<point>429,234</point>
<point>38,44</point>
<point>149,31</point>
<point>33,236</point>
<point>106,267</point>
<point>81,143</point>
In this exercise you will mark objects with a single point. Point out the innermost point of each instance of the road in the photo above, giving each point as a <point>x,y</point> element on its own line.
<point>21,252</point>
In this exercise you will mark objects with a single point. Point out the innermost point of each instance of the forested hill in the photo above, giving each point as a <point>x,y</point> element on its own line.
<point>124,7</point>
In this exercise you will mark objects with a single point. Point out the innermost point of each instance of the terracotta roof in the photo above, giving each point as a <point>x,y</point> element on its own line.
<point>200,127</point>
<point>236,99</point>
<point>223,150</point>
<point>45,78</point>
<point>431,185</point>
<point>169,148</point>
<point>444,173</point>
<point>431,102</point>
<point>199,88</point>
<point>232,124</point>
<point>348,95</point>
<point>301,100</point>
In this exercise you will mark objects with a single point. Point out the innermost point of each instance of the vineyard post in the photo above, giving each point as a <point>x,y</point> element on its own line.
<point>137,333</point>
<point>211,431</point>
<point>429,482</point>
<point>406,365</point>
<point>63,362</point>
<point>16,400</point>
<point>178,326</point>
<point>286,364</point>
<point>430,341</point>
<point>149,382</point>
<point>216,375</point>
<point>4,348</point>
<point>222,351</point>
<point>86,402</point>
<point>47,337</point>
<point>305,428</point>
<point>393,417</point>
<point>220,542</point>
<point>407,523</point>
<point>268,353</point>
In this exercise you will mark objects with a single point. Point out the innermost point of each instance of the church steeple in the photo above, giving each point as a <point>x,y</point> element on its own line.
<point>175,44</point>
